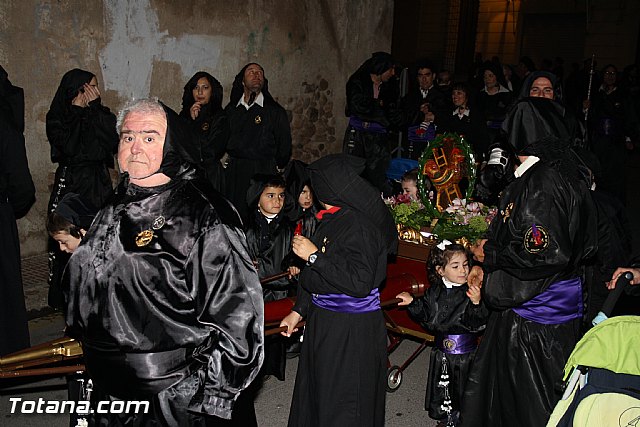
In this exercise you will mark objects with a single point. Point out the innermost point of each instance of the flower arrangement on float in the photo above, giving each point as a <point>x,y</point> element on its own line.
<point>446,179</point>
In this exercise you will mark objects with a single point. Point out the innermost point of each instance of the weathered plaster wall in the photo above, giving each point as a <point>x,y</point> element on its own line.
<point>151,47</point>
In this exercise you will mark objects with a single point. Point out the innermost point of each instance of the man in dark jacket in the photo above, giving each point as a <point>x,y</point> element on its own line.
<point>161,291</point>
<point>533,258</point>
<point>260,140</point>
<point>17,195</point>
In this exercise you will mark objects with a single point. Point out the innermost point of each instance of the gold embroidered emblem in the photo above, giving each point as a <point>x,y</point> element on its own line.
<point>205,126</point>
<point>324,244</point>
<point>506,213</point>
<point>144,238</point>
<point>158,223</point>
<point>257,120</point>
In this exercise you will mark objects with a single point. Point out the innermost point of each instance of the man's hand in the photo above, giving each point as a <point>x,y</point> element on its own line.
<point>616,275</point>
<point>476,275</point>
<point>406,298</point>
<point>290,322</point>
<point>195,110</point>
<point>303,247</point>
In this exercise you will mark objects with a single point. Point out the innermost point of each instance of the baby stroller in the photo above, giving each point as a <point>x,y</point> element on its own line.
<point>603,371</point>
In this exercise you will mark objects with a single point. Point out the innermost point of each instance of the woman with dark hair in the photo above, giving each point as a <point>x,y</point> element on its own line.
<point>202,108</point>
<point>494,98</point>
<point>83,138</point>
<point>467,121</point>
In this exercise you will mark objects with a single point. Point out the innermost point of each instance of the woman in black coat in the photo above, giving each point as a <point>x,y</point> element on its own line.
<point>202,108</point>
<point>83,138</point>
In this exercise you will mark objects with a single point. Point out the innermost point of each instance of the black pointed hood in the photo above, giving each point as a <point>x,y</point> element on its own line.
<point>336,181</point>
<point>180,151</point>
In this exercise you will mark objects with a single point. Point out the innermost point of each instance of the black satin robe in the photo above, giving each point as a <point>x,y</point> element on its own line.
<point>447,311</point>
<point>342,366</point>
<point>518,366</point>
<point>191,291</point>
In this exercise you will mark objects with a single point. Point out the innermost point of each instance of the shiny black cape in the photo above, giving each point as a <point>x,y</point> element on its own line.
<point>192,286</point>
<point>519,362</point>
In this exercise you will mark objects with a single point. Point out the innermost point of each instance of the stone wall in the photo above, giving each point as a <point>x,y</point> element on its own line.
<point>140,48</point>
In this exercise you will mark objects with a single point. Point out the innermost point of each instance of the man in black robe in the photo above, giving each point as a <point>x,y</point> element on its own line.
<point>342,367</point>
<point>533,259</point>
<point>260,139</point>
<point>161,291</point>
<point>17,195</point>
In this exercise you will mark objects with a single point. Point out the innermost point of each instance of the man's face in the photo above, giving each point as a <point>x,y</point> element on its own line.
<point>542,88</point>
<point>141,144</point>
<point>609,76</point>
<point>253,79</point>
<point>425,78</point>
<point>271,200</point>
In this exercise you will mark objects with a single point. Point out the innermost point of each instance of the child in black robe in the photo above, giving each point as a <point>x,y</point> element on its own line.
<point>453,311</point>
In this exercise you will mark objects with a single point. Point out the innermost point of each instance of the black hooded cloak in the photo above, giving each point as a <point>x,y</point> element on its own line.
<point>83,142</point>
<point>210,128</point>
<point>260,141</point>
<point>353,244</point>
<point>164,297</point>
<point>543,235</point>
<point>17,195</point>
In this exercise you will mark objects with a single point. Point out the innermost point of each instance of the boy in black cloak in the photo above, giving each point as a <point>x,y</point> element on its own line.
<point>339,298</point>
<point>534,256</point>
<point>17,195</point>
<point>260,139</point>
<point>83,139</point>
<point>210,125</point>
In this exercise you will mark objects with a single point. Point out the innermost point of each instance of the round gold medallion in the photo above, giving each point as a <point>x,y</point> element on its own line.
<point>144,238</point>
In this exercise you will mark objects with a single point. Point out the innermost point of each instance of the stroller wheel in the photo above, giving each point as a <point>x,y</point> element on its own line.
<point>394,378</point>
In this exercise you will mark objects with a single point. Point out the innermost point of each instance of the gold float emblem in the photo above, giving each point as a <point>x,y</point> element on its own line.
<point>258,120</point>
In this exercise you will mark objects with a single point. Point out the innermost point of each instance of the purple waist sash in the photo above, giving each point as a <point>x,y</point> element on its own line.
<point>362,126</point>
<point>346,304</point>
<point>559,303</point>
<point>457,344</point>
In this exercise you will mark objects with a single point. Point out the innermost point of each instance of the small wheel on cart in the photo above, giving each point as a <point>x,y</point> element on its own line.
<point>394,378</point>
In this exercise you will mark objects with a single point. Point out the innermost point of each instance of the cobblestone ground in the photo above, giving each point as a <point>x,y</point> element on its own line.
<point>35,271</point>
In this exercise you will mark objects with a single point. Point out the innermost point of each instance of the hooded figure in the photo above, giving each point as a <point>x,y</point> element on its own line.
<point>76,211</point>
<point>534,255</point>
<point>260,139</point>
<point>173,256</point>
<point>339,298</point>
<point>210,125</point>
<point>17,195</point>
<point>83,139</point>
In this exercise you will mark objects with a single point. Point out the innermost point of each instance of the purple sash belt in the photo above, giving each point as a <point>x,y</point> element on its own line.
<point>362,126</point>
<point>346,304</point>
<point>559,303</point>
<point>457,344</point>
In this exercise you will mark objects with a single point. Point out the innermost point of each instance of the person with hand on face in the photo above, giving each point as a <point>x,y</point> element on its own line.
<point>454,312</point>
<point>162,292</point>
<point>338,295</point>
<point>260,139</point>
<point>83,138</point>
<point>202,109</point>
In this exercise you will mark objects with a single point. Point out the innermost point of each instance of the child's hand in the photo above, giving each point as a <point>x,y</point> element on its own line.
<point>405,297</point>
<point>474,294</point>
<point>476,275</point>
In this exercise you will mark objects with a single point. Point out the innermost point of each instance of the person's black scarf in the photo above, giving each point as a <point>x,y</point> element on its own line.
<point>528,82</point>
<point>11,102</point>
<point>70,85</point>
<point>336,181</point>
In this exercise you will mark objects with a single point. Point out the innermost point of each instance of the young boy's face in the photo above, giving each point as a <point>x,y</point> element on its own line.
<point>306,198</point>
<point>67,242</point>
<point>409,187</point>
<point>271,200</point>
